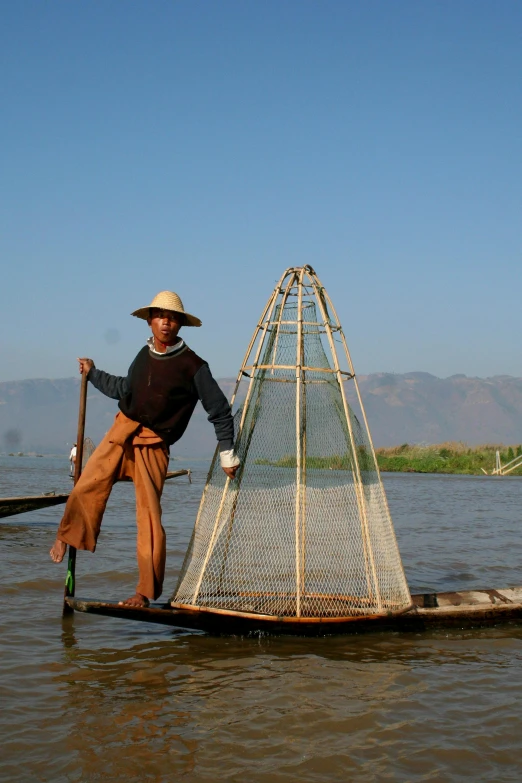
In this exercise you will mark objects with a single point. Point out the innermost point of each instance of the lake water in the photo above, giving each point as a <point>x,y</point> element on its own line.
<point>100,699</point>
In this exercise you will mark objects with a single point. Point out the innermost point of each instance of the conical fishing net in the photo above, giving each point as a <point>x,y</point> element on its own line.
<point>304,530</point>
<point>88,449</point>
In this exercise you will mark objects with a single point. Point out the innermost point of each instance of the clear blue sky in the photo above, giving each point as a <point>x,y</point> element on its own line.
<point>205,146</point>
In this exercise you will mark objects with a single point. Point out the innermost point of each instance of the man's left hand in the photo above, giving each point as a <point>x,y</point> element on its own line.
<point>231,472</point>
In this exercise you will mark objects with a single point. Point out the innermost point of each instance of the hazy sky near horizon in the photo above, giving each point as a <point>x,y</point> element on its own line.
<point>204,147</point>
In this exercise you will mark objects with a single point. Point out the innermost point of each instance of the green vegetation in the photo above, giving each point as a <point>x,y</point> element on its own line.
<point>448,457</point>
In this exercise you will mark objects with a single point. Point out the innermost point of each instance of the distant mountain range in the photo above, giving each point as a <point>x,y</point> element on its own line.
<point>41,415</point>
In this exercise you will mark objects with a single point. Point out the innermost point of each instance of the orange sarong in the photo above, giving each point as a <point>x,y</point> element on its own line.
<point>128,450</point>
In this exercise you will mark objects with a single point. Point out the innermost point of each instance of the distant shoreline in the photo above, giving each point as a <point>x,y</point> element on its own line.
<point>450,458</point>
<point>447,458</point>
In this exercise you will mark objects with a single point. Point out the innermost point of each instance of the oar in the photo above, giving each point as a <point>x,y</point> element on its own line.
<point>71,563</point>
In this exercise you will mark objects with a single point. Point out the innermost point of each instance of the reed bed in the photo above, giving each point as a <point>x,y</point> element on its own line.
<point>448,457</point>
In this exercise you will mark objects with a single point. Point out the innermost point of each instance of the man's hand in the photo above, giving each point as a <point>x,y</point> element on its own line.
<point>85,365</point>
<point>231,472</point>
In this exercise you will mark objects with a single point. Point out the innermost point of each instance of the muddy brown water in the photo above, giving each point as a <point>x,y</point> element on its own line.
<point>99,699</point>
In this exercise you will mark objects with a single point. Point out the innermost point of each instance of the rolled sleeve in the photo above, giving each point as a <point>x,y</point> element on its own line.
<point>229,458</point>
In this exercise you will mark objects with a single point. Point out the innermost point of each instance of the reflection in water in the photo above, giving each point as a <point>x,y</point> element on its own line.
<point>162,705</point>
<point>194,704</point>
<point>123,702</point>
<point>68,637</point>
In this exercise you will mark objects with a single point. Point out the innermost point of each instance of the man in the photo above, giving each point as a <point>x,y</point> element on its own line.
<point>72,459</point>
<point>156,400</point>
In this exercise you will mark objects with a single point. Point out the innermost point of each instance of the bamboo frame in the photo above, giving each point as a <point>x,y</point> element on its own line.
<point>288,618</point>
<point>296,282</point>
<point>300,456</point>
<point>502,470</point>
<point>292,366</point>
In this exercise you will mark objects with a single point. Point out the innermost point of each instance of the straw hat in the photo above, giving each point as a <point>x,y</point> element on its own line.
<point>167,300</point>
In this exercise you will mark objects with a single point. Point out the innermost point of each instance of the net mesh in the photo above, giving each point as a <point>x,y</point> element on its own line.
<point>304,530</point>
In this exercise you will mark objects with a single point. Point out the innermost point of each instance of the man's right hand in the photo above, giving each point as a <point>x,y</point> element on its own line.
<point>85,365</point>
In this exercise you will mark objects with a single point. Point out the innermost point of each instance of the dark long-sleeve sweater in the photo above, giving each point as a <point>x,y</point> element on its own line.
<point>162,390</point>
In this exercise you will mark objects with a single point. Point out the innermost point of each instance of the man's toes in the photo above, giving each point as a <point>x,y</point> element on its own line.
<point>57,551</point>
<point>135,601</point>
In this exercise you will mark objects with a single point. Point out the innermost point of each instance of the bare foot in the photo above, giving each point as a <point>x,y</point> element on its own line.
<point>58,551</point>
<point>137,600</point>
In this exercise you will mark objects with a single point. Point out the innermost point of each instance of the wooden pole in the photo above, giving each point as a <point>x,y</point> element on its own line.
<point>300,457</point>
<point>71,563</point>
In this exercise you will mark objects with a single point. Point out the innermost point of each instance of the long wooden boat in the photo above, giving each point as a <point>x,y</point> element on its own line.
<point>469,609</point>
<point>19,505</point>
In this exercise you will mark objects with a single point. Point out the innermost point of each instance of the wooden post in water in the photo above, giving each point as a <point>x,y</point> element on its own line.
<point>71,563</point>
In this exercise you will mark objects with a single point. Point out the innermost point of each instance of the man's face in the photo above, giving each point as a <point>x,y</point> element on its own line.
<point>165,325</point>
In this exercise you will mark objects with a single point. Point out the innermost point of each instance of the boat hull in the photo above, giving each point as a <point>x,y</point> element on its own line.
<point>19,505</point>
<point>470,609</point>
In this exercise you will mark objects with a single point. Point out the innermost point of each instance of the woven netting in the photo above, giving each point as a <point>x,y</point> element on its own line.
<point>260,545</point>
<point>88,450</point>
